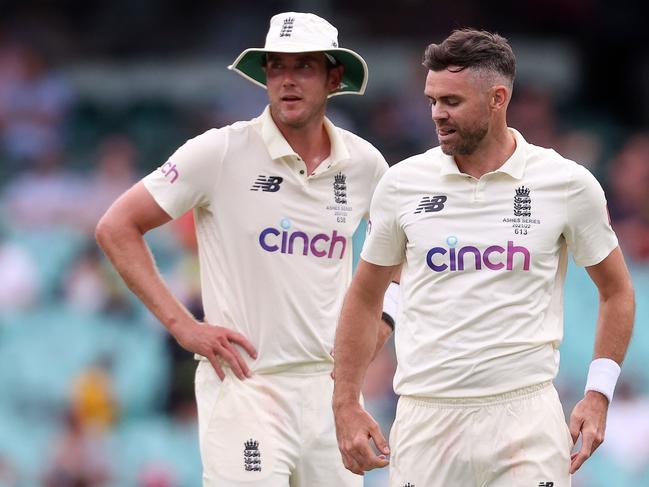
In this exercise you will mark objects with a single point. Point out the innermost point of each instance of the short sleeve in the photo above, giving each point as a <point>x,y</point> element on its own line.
<point>588,230</point>
<point>386,241</point>
<point>188,179</point>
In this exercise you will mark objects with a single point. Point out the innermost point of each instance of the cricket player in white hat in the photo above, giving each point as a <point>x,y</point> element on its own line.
<point>276,200</point>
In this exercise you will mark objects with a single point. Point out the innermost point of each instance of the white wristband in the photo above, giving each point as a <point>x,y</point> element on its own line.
<point>602,377</point>
<point>391,301</point>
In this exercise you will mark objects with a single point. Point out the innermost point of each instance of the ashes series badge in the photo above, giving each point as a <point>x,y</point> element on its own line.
<point>522,221</point>
<point>341,209</point>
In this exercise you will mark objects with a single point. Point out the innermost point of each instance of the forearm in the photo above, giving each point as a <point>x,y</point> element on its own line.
<point>614,324</point>
<point>130,255</point>
<point>357,338</point>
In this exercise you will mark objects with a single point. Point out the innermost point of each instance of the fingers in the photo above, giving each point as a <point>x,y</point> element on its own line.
<point>239,339</point>
<point>364,457</point>
<point>591,438</point>
<point>358,455</point>
<point>575,427</point>
<point>379,440</point>
<point>217,367</point>
<point>233,359</point>
<point>359,458</point>
<point>352,465</point>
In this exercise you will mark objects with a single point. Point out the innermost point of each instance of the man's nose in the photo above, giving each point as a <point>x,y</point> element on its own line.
<point>437,112</point>
<point>288,77</point>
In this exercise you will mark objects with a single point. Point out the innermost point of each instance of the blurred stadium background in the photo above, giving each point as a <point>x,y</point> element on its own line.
<point>93,95</point>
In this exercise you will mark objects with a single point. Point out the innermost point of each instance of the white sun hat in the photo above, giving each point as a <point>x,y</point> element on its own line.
<point>293,32</point>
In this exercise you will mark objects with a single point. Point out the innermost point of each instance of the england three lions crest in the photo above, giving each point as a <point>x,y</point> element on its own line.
<point>522,202</point>
<point>251,456</point>
<point>340,188</point>
<point>522,222</point>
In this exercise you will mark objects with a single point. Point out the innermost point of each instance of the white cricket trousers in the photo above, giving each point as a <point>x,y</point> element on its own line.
<point>272,430</point>
<point>517,439</point>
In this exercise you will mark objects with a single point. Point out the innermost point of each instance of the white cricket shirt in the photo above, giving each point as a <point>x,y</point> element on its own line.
<point>274,242</point>
<point>484,265</point>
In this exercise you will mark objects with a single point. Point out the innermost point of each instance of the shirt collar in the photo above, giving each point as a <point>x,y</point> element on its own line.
<point>514,166</point>
<point>279,147</point>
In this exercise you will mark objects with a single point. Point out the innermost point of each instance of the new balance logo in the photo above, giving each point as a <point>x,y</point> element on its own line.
<point>269,184</point>
<point>408,485</point>
<point>287,27</point>
<point>546,484</point>
<point>429,204</point>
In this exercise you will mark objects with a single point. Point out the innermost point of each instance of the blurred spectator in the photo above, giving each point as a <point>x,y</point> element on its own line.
<point>115,172</point>
<point>184,280</point>
<point>18,275</point>
<point>387,120</point>
<point>627,432</point>
<point>532,112</point>
<point>90,286</point>
<point>79,458</point>
<point>582,147</point>
<point>93,401</point>
<point>8,474</point>
<point>84,287</point>
<point>629,196</point>
<point>33,105</point>
<point>46,196</point>
<point>156,475</point>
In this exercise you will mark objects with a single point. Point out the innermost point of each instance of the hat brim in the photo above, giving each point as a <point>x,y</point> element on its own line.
<point>250,65</point>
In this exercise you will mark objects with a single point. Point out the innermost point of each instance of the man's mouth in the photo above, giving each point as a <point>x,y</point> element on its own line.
<point>291,98</point>
<point>443,133</point>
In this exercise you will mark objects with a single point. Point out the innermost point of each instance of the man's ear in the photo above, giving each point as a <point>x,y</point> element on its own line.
<point>334,78</point>
<point>499,97</point>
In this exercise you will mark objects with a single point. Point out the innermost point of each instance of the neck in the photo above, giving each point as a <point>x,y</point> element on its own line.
<point>311,141</point>
<point>493,151</point>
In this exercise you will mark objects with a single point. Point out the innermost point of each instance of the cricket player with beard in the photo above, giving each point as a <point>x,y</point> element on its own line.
<point>482,225</point>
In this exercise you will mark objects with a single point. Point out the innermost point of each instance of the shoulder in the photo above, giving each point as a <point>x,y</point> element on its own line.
<point>419,164</point>
<point>550,166</point>
<point>358,147</point>
<point>551,162</point>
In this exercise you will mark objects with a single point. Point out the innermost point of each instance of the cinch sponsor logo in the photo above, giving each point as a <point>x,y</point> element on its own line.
<point>297,242</point>
<point>494,257</point>
<point>169,169</point>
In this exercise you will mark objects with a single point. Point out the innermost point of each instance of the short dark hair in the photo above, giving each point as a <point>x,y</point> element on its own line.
<point>471,48</point>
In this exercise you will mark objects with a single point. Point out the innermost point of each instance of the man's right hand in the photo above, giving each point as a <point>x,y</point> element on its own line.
<point>216,341</point>
<point>354,429</point>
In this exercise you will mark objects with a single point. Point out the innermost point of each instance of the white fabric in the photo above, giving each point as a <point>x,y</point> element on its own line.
<point>286,418</point>
<point>602,377</point>
<point>482,288</point>
<point>274,242</point>
<point>514,439</point>
<point>306,33</point>
<point>391,301</point>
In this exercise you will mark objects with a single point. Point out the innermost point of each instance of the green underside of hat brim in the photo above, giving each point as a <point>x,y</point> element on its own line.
<point>250,65</point>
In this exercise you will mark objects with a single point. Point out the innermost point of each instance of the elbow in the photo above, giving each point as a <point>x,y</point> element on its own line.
<point>103,231</point>
<point>111,229</point>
